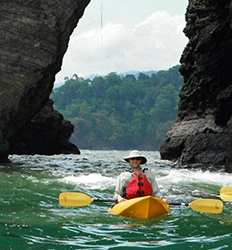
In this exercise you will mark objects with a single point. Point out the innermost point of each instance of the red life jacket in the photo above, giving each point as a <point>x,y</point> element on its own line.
<point>138,186</point>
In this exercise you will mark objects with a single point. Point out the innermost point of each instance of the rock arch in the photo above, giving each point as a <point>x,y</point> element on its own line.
<point>34,38</point>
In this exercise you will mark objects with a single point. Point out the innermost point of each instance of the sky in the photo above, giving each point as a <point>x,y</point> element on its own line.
<point>132,35</point>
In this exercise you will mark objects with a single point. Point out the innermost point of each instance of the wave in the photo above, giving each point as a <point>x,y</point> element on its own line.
<point>90,181</point>
<point>174,176</point>
<point>182,175</point>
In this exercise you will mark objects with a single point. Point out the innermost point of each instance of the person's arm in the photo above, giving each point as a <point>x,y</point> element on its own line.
<point>155,187</point>
<point>119,189</point>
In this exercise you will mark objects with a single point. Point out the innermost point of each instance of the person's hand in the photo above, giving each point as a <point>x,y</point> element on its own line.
<point>164,199</point>
<point>121,199</point>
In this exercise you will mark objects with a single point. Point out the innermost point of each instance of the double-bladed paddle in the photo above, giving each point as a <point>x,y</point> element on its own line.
<point>76,199</point>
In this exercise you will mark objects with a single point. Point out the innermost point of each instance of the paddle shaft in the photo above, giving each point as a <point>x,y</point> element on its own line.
<point>105,200</point>
<point>170,203</point>
<point>178,204</point>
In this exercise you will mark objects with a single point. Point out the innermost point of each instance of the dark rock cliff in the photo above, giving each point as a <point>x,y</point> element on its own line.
<point>34,38</point>
<point>47,133</point>
<point>202,134</point>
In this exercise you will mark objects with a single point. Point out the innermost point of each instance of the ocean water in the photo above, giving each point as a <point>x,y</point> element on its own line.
<point>31,217</point>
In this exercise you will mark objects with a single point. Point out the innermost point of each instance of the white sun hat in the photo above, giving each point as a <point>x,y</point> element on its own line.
<point>136,154</point>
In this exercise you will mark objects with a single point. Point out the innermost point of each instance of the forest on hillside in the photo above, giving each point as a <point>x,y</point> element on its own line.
<point>120,111</point>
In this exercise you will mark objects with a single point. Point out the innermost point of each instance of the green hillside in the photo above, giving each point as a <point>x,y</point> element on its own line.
<point>120,112</point>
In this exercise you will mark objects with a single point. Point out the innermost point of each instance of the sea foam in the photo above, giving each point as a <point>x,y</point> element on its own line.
<point>182,175</point>
<point>90,181</point>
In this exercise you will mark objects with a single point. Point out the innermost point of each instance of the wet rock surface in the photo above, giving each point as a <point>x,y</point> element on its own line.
<point>47,133</point>
<point>34,38</point>
<point>202,133</point>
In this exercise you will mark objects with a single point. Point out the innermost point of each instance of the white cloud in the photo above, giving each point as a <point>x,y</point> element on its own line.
<point>155,43</point>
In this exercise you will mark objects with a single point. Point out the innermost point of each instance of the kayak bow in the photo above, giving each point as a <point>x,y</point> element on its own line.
<point>147,207</point>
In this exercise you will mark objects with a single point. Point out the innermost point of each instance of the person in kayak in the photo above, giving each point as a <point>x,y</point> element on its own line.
<point>137,183</point>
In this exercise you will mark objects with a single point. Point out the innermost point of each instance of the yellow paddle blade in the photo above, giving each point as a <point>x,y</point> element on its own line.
<point>211,206</point>
<point>74,199</point>
<point>226,193</point>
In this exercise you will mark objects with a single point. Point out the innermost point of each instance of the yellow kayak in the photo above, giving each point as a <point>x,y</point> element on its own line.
<point>147,207</point>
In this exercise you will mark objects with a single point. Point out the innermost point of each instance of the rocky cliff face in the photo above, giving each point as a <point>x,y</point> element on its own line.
<point>202,135</point>
<point>34,38</point>
<point>47,133</point>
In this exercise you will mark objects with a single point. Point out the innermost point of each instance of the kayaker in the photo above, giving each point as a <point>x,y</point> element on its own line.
<point>137,183</point>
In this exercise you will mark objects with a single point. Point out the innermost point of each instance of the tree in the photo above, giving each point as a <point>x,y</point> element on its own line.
<point>120,112</point>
